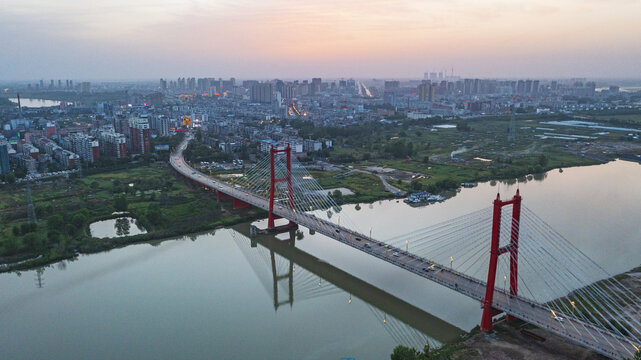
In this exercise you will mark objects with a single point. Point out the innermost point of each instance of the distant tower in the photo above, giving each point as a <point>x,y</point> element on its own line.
<point>511,136</point>
<point>19,106</point>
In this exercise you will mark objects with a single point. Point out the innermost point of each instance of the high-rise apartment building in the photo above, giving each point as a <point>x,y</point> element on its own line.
<point>316,85</point>
<point>160,125</point>
<point>139,136</point>
<point>112,143</point>
<point>262,93</point>
<point>431,96</point>
<point>392,84</point>
<point>50,129</point>
<point>4,157</point>
<point>422,91</point>
<point>85,87</point>
<point>85,146</point>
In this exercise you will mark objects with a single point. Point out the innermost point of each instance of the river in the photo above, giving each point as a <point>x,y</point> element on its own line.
<point>213,296</point>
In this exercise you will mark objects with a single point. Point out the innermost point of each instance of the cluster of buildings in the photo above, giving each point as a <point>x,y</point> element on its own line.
<point>243,118</point>
<point>38,146</point>
<point>66,85</point>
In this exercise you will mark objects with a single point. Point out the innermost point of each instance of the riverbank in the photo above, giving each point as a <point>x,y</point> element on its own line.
<point>151,194</point>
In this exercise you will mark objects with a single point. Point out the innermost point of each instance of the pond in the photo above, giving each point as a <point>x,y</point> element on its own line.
<point>118,227</point>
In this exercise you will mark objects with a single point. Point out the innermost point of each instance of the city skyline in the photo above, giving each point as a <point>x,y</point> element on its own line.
<point>276,39</point>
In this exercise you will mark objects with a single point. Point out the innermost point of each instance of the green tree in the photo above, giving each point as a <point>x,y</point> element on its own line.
<point>44,209</point>
<point>122,226</point>
<point>169,185</point>
<point>543,160</point>
<point>25,228</point>
<point>416,185</point>
<point>463,127</point>
<point>10,178</point>
<point>56,222</point>
<point>115,185</point>
<point>154,215</point>
<point>405,353</point>
<point>32,242</point>
<point>10,245</point>
<point>402,352</point>
<point>54,236</point>
<point>78,220</point>
<point>120,203</point>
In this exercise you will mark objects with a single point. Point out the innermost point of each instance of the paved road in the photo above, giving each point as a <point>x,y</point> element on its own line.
<point>587,335</point>
<point>391,188</point>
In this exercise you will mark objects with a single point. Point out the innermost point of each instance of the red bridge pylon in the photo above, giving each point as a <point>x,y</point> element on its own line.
<point>495,251</point>
<point>274,180</point>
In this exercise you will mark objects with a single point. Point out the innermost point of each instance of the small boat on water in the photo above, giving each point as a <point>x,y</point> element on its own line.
<point>422,197</point>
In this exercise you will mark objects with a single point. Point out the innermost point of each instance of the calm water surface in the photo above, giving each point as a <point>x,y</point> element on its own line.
<point>35,103</point>
<point>213,295</point>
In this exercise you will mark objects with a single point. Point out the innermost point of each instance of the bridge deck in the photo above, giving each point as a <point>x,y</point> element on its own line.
<point>579,332</point>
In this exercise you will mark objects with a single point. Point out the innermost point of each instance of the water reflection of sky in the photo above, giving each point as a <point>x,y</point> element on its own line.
<point>118,227</point>
<point>193,297</point>
<point>197,297</point>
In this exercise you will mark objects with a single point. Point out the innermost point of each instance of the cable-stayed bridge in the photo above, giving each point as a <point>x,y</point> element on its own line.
<point>504,256</point>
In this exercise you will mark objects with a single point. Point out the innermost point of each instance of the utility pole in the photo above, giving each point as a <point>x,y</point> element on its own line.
<point>31,213</point>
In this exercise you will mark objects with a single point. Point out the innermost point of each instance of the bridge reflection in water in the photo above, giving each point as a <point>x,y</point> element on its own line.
<point>291,275</point>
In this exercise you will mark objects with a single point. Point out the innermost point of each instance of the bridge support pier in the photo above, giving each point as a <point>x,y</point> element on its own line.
<point>220,196</point>
<point>239,204</point>
<point>495,251</point>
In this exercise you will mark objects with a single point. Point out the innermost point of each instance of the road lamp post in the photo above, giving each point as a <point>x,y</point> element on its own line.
<point>573,306</point>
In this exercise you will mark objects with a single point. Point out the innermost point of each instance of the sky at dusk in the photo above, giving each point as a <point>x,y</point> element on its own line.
<point>145,39</point>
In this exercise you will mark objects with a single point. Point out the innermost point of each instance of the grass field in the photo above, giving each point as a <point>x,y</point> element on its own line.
<point>449,156</point>
<point>162,204</point>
